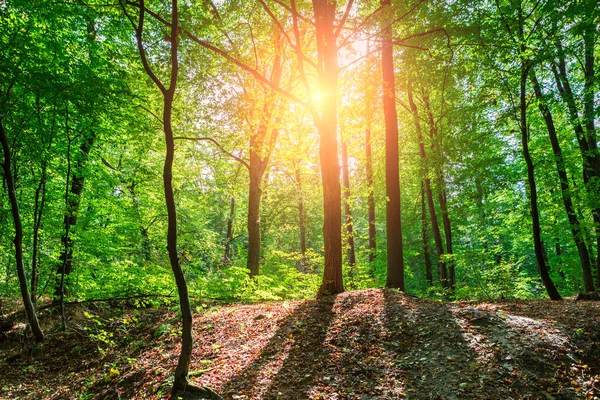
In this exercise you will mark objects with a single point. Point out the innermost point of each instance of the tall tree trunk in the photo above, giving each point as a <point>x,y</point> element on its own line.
<point>229,233</point>
<point>532,192</point>
<point>584,258</point>
<point>559,253</point>
<point>77,178</point>
<point>395,256</point>
<point>350,254</point>
<point>537,237</point>
<point>183,365</point>
<point>437,235</point>
<point>301,213</point>
<point>18,240</point>
<point>425,236</point>
<point>38,212</point>
<point>254,198</point>
<point>436,147</point>
<point>586,139</point>
<point>589,94</point>
<point>181,382</point>
<point>372,244</point>
<point>146,249</point>
<point>324,16</point>
<point>66,239</point>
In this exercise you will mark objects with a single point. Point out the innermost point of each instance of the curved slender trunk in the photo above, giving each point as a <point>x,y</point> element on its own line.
<point>350,254</point>
<point>77,181</point>
<point>586,140</point>
<point>435,227</point>
<point>38,212</point>
<point>229,233</point>
<point>180,382</point>
<point>582,250</point>
<point>532,192</point>
<point>425,237</point>
<point>436,148</point>
<point>18,240</point>
<point>372,244</point>
<point>301,213</point>
<point>535,216</point>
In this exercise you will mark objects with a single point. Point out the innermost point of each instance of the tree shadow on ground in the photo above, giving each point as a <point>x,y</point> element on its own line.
<point>350,346</point>
<point>526,357</point>
<point>426,348</point>
<point>289,362</point>
<point>456,351</point>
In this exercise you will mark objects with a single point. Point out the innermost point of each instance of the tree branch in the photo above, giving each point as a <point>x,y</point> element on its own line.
<point>209,139</point>
<point>344,18</point>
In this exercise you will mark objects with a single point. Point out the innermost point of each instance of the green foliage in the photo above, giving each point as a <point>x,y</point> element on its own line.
<point>493,280</point>
<point>277,282</point>
<point>99,332</point>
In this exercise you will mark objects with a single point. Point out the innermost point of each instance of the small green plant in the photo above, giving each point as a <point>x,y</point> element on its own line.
<point>163,329</point>
<point>99,334</point>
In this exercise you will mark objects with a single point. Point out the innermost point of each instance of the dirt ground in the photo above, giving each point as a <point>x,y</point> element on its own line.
<point>369,344</point>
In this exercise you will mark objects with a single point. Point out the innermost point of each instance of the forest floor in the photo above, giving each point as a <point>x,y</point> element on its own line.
<point>369,344</point>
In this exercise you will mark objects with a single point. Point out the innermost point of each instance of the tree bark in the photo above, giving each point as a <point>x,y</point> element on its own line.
<point>66,239</point>
<point>350,254</point>
<point>589,94</point>
<point>585,139</point>
<point>425,236</point>
<point>582,250</point>
<point>38,212</point>
<point>537,237</point>
<point>146,248</point>
<point>324,16</point>
<point>301,212</point>
<point>436,147</point>
<point>254,198</point>
<point>181,382</point>
<point>532,192</point>
<point>18,240</point>
<point>77,183</point>
<point>229,233</point>
<point>74,199</point>
<point>395,256</point>
<point>372,244</point>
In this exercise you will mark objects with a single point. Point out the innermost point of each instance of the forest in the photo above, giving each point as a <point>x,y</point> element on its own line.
<point>293,199</point>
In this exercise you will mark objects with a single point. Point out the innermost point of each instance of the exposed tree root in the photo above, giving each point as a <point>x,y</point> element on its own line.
<point>191,391</point>
<point>589,296</point>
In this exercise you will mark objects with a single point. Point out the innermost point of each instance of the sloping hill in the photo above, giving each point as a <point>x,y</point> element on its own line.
<point>371,344</point>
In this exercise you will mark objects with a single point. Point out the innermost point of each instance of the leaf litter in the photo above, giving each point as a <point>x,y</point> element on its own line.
<point>368,344</point>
